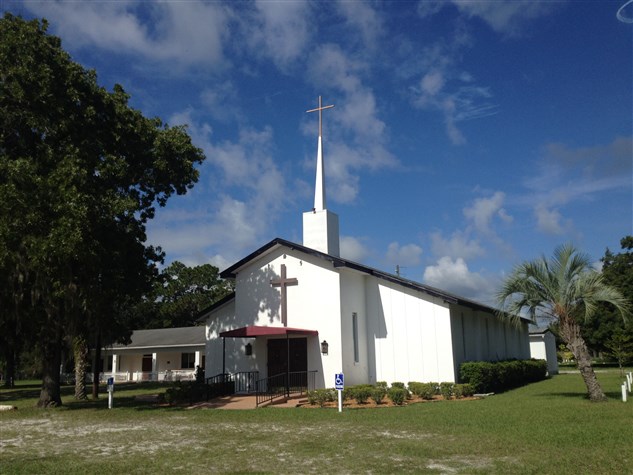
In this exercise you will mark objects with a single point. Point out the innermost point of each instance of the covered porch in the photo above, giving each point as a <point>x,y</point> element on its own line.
<point>278,364</point>
<point>170,354</point>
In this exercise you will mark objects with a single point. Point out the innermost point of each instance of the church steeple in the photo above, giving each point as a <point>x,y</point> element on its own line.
<point>320,226</point>
<point>319,188</point>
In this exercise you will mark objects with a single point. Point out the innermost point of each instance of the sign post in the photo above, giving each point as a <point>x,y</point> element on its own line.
<point>110,391</point>
<point>339,385</point>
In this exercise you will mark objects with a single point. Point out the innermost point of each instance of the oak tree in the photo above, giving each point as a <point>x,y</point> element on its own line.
<point>81,173</point>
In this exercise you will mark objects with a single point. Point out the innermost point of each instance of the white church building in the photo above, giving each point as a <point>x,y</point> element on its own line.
<point>302,307</point>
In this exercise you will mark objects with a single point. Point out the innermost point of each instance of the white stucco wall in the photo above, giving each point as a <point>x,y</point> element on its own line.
<point>353,301</point>
<point>313,304</point>
<point>482,336</point>
<point>409,335</point>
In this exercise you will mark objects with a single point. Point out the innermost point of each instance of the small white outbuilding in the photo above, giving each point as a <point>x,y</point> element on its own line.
<point>543,347</point>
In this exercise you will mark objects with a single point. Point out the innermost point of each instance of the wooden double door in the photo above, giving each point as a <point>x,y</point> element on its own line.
<point>287,350</point>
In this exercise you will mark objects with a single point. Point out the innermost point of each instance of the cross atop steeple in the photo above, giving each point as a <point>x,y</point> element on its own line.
<point>319,187</point>
<point>320,110</point>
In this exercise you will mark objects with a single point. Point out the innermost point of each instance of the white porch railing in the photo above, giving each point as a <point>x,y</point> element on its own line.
<point>137,376</point>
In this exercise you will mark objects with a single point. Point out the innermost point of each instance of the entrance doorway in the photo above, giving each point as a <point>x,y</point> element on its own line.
<point>146,367</point>
<point>282,351</point>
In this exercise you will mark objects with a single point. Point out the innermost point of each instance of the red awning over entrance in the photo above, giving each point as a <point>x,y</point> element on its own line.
<point>253,331</point>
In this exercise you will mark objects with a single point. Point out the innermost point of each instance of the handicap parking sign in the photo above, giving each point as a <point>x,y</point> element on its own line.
<point>339,381</point>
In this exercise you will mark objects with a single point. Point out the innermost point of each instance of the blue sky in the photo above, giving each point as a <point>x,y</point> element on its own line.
<point>467,136</point>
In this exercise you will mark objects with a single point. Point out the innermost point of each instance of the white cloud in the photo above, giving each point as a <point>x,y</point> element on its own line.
<point>566,176</point>
<point>406,256</point>
<point>443,87</point>
<point>429,7</point>
<point>355,120</point>
<point>549,220</point>
<point>432,82</point>
<point>221,262</point>
<point>483,210</point>
<point>181,33</point>
<point>508,17</point>
<point>362,17</point>
<point>236,203</point>
<point>279,30</point>
<point>353,249</point>
<point>220,102</point>
<point>455,277</point>
<point>458,245</point>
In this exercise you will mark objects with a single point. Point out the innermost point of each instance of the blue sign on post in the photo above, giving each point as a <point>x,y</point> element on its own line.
<point>110,381</point>
<point>339,381</point>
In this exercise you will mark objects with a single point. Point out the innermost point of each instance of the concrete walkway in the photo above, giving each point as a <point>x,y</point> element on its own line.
<point>238,401</point>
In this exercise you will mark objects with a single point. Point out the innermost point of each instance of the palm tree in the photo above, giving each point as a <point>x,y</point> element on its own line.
<point>564,289</point>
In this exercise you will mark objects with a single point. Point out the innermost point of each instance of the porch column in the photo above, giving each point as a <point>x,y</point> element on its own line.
<point>114,363</point>
<point>223,355</point>
<point>198,359</point>
<point>154,367</point>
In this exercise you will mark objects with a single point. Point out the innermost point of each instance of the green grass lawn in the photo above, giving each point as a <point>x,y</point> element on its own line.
<point>547,427</point>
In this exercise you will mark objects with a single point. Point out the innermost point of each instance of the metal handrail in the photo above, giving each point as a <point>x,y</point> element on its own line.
<point>217,385</point>
<point>224,384</point>
<point>245,381</point>
<point>283,385</point>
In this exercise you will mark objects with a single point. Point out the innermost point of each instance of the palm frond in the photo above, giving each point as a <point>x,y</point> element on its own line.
<point>563,285</point>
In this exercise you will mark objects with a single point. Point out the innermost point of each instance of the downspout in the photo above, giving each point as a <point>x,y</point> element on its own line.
<point>288,365</point>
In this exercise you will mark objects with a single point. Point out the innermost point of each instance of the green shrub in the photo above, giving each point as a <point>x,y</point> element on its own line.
<point>398,385</point>
<point>168,396</point>
<point>414,387</point>
<point>321,396</point>
<point>349,393</point>
<point>486,377</point>
<point>185,392</point>
<point>427,391</point>
<point>362,393</point>
<point>446,389</point>
<point>462,390</point>
<point>382,384</point>
<point>378,394</point>
<point>312,397</point>
<point>397,395</point>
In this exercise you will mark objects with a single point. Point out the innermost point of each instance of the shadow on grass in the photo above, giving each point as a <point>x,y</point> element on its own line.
<point>125,402</point>
<point>135,396</point>
<point>29,391</point>
<point>611,395</point>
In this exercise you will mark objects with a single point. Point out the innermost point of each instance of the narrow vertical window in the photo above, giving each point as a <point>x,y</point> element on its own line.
<point>355,336</point>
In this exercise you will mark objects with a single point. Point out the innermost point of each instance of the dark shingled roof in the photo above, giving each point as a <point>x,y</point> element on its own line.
<point>534,330</point>
<point>166,337</point>
<point>232,271</point>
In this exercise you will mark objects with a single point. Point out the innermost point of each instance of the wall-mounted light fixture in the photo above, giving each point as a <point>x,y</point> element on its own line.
<point>324,347</point>
<point>248,349</point>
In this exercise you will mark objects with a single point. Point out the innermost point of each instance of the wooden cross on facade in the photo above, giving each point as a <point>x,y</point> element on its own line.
<point>284,282</point>
<point>320,110</point>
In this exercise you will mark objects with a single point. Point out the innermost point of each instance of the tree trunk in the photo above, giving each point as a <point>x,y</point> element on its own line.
<point>570,333</point>
<point>9,375</point>
<point>50,395</point>
<point>96,361</point>
<point>80,350</point>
